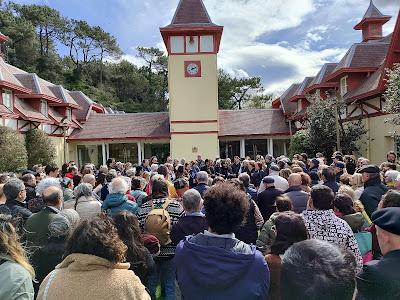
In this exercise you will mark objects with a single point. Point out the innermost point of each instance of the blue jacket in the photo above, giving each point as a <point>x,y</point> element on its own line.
<point>116,203</point>
<point>201,188</point>
<point>220,268</point>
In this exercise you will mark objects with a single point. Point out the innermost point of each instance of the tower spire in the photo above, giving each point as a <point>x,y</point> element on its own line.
<point>372,23</point>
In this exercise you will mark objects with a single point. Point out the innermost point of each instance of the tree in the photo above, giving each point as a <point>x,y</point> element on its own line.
<point>39,147</point>
<point>260,101</point>
<point>237,93</point>
<point>300,143</point>
<point>13,156</point>
<point>392,95</point>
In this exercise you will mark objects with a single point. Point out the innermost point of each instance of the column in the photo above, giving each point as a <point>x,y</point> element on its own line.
<point>139,149</point>
<point>242,148</point>
<point>104,153</point>
<point>271,147</point>
<point>284,149</point>
<point>107,151</point>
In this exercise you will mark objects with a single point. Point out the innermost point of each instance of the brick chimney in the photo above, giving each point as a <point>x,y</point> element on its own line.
<point>372,23</point>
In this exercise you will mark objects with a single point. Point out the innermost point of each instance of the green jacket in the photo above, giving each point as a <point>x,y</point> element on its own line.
<point>267,235</point>
<point>16,282</point>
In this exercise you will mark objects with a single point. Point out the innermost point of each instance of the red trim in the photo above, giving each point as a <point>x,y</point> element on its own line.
<point>377,20</point>
<point>343,71</point>
<point>196,62</point>
<point>377,114</point>
<point>14,86</point>
<point>258,134</point>
<point>40,96</point>
<point>118,139</point>
<point>30,119</point>
<point>194,122</point>
<point>194,132</point>
<point>311,89</point>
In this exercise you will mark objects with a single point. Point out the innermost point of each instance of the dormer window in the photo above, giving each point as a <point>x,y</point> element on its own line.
<point>69,114</point>
<point>44,108</point>
<point>299,106</point>
<point>343,86</point>
<point>8,99</point>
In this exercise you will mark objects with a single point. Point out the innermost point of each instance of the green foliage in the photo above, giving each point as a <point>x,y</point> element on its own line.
<point>13,156</point>
<point>300,143</point>
<point>392,95</point>
<point>39,147</point>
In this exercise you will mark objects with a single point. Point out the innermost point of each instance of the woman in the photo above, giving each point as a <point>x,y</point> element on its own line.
<point>93,267</point>
<point>100,182</point>
<point>285,173</point>
<point>267,235</point>
<point>290,229</point>
<point>68,190</point>
<point>138,256</point>
<point>305,182</point>
<point>138,185</point>
<point>51,254</point>
<point>16,274</point>
<point>357,185</point>
<point>86,205</point>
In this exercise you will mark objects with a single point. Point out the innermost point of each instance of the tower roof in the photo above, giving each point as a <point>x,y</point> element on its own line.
<point>372,15</point>
<point>191,12</point>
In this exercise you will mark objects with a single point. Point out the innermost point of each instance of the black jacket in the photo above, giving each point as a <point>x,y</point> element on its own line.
<point>266,201</point>
<point>188,225</point>
<point>30,192</point>
<point>380,278</point>
<point>16,209</point>
<point>372,194</point>
<point>235,169</point>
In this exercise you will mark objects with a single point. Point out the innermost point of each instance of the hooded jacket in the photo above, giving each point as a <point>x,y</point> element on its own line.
<point>83,276</point>
<point>116,203</point>
<point>215,268</point>
<point>372,194</point>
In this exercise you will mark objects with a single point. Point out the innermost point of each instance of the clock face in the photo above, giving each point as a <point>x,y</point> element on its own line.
<point>192,69</point>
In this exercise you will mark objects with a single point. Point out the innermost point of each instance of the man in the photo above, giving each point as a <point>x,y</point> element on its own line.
<point>37,226</point>
<point>314,270</point>
<point>91,179</point>
<point>267,199</point>
<point>245,179</point>
<point>194,220</point>
<point>202,182</point>
<point>374,189</point>
<point>323,224</point>
<point>236,165</point>
<point>329,178</point>
<point>380,279</point>
<point>52,170</point>
<point>339,167</point>
<point>216,265</point>
<point>181,185</point>
<point>280,182</point>
<point>117,199</point>
<point>146,165</point>
<point>15,193</point>
<point>165,270</point>
<point>298,197</point>
<point>313,171</point>
<point>391,157</point>
<point>163,170</point>
<point>29,180</point>
<point>200,162</point>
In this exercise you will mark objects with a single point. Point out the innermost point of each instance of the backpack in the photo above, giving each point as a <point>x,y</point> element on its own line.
<point>158,223</point>
<point>364,241</point>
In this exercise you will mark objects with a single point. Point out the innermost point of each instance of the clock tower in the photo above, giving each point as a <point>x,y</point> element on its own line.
<point>192,42</point>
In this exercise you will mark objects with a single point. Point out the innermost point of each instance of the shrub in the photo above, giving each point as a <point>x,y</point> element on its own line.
<point>13,156</point>
<point>39,147</point>
<point>300,143</point>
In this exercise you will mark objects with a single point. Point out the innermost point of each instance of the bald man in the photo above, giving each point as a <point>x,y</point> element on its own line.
<point>37,226</point>
<point>298,197</point>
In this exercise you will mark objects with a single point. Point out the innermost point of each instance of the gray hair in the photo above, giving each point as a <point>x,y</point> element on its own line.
<point>103,169</point>
<point>12,188</point>
<point>118,186</point>
<point>88,178</point>
<point>202,177</point>
<point>130,172</point>
<point>45,183</point>
<point>83,189</point>
<point>63,223</point>
<point>191,200</point>
<point>154,167</point>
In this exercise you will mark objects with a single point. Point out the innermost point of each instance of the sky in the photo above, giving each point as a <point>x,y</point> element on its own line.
<point>281,41</point>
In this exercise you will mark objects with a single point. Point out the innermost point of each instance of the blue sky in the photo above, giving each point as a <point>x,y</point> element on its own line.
<point>281,41</point>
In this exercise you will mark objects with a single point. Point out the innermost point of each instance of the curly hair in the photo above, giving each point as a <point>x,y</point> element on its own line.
<point>225,207</point>
<point>128,228</point>
<point>99,237</point>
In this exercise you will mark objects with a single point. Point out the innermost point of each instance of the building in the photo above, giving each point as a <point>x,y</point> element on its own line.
<point>359,78</point>
<point>193,126</point>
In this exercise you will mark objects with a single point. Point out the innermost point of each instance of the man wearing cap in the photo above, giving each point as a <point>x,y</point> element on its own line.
<point>339,167</point>
<point>313,171</point>
<point>374,189</point>
<point>380,279</point>
<point>280,182</point>
<point>266,199</point>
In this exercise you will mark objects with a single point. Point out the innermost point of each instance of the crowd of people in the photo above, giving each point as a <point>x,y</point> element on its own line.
<point>262,228</point>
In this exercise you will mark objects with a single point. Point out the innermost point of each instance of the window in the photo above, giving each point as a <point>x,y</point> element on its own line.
<point>343,86</point>
<point>44,109</point>
<point>8,99</point>
<point>69,114</point>
<point>177,44</point>
<point>299,106</point>
<point>192,44</point>
<point>207,43</point>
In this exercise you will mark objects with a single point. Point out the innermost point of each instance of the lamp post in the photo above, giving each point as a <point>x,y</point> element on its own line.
<point>64,125</point>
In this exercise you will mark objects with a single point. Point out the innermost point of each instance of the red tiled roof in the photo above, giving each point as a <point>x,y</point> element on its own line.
<point>124,126</point>
<point>252,122</point>
<point>300,92</point>
<point>287,106</point>
<point>54,115</point>
<point>85,104</point>
<point>7,76</point>
<point>191,12</point>
<point>61,93</point>
<point>300,115</point>
<point>373,14</point>
<point>323,74</point>
<point>4,111</point>
<point>28,113</point>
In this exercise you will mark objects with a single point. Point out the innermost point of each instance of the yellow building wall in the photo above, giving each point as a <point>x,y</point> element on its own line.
<point>59,145</point>
<point>189,146</point>
<point>193,99</point>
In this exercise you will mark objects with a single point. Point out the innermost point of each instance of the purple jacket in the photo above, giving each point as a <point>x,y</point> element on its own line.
<point>220,268</point>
